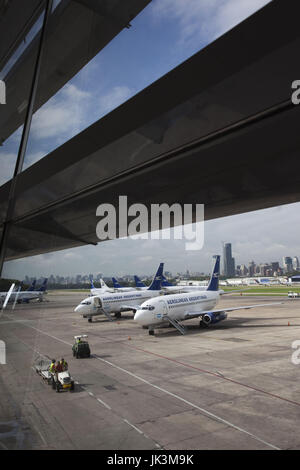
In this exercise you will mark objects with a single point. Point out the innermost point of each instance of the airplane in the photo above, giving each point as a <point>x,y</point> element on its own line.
<point>25,296</point>
<point>100,290</point>
<point>107,303</point>
<point>139,284</point>
<point>119,288</point>
<point>167,287</point>
<point>173,308</point>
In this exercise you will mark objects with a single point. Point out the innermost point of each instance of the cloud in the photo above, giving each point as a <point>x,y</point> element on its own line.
<point>115,97</point>
<point>8,161</point>
<point>205,19</point>
<point>32,158</point>
<point>62,116</point>
<point>71,111</point>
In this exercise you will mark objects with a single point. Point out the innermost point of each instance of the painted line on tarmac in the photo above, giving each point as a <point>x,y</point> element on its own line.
<point>133,426</point>
<point>90,393</point>
<point>5,322</point>
<point>123,419</point>
<point>218,375</point>
<point>103,403</point>
<point>204,411</point>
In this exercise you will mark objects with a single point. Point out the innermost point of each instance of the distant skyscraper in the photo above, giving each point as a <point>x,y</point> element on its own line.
<point>228,261</point>
<point>287,264</point>
<point>251,268</point>
<point>275,267</point>
<point>244,270</point>
<point>295,263</point>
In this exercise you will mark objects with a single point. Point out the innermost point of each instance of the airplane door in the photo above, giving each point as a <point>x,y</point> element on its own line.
<point>163,308</point>
<point>97,303</point>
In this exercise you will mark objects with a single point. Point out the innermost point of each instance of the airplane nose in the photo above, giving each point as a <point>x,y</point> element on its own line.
<point>142,317</point>
<point>78,308</point>
<point>137,315</point>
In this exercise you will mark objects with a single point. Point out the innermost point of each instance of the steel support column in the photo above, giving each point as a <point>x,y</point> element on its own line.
<point>25,135</point>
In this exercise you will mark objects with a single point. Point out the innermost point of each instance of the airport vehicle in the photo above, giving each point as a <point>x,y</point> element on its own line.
<point>42,368</point>
<point>81,347</point>
<point>59,381</point>
<point>116,303</point>
<point>25,296</point>
<point>62,381</point>
<point>293,295</point>
<point>173,308</point>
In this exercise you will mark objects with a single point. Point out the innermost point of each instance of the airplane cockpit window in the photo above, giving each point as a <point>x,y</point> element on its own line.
<point>85,302</point>
<point>148,307</point>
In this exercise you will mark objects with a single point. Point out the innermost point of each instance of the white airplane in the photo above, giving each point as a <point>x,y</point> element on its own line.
<point>25,296</point>
<point>119,288</point>
<point>139,284</point>
<point>173,308</point>
<point>107,303</point>
<point>100,290</point>
<point>171,289</point>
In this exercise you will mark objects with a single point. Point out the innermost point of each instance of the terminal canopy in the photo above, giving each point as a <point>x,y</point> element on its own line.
<point>220,129</point>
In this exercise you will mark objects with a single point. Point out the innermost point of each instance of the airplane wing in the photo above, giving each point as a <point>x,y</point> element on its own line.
<point>173,291</point>
<point>228,309</point>
<point>222,292</point>
<point>124,308</point>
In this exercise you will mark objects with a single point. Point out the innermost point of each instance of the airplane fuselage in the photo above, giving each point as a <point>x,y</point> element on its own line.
<point>175,306</point>
<point>22,296</point>
<point>113,303</point>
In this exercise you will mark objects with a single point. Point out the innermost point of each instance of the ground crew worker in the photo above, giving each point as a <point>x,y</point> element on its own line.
<point>59,367</point>
<point>52,367</point>
<point>64,364</point>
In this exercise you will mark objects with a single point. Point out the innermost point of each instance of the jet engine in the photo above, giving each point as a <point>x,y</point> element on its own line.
<point>210,317</point>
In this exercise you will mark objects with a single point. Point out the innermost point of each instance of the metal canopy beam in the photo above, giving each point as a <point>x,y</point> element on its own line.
<point>215,130</point>
<point>74,36</point>
<point>16,19</point>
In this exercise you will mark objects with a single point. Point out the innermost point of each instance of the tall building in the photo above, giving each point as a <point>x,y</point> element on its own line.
<point>287,264</point>
<point>251,268</point>
<point>228,261</point>
<point>295,263</point>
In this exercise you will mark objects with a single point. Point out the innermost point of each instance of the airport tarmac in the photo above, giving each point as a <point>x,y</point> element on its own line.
<point>231,386</point>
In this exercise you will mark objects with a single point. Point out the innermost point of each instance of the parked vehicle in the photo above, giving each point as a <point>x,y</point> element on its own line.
<point>81,347</point>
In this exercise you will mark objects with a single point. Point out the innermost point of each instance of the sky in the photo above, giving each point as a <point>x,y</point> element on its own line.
<point>165,34</point>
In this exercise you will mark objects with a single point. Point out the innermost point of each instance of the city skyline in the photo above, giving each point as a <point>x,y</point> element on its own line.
<point>251,269</point>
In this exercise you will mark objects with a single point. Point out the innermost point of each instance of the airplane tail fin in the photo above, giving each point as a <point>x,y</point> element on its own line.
<point>165,282</point>
<point>102,284</point>
<point>32,287</point>
<point>115,283</point>
<point>138,282</point>
<point>214,280</point>
<point>44,285</point>
<point>92,282</point>
<point>156,283</point>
